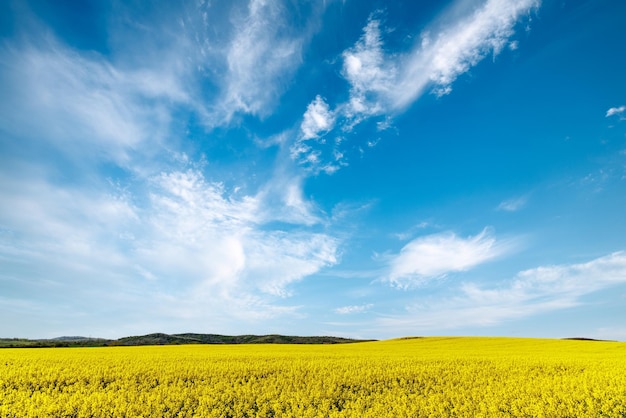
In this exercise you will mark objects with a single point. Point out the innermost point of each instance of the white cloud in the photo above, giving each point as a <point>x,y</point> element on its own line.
<point>444,53</point>
<point>264,51</point>
<point>84,103</point>
<point>453,48</point>
<point>353,309</point>
<point>232,59</point>
<point>219,241</point>
<point>158,243</point>
<point>317,120</point>
<point>191,253</point>
<point>59,237</point>
<point>434,256</point>
<point>514,204</point>
<point>278,259</point>
<point>531,292</point>
<point>402,236</point>
<point>281,199</point>
<point>615,111</point>
<point>182,236</point>
<point>369,72</point>
<point>381,83</point>
<point>322,155</point>
<point>386,84</point>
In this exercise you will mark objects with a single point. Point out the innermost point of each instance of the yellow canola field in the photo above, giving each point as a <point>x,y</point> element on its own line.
<point>426,377</point>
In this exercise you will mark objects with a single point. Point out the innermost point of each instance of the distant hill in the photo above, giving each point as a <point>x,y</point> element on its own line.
<point>54,342</point>
<point>167,339</point>
<point>172,339</point>
<point>73,338</point>
<point>586,339</point>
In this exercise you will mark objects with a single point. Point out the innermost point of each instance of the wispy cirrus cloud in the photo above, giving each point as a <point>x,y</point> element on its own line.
<point>386,84</point>
<point>402,236</point>
<point>353,309</point>
<point>371,74</point>
<point>84,102</point>
<point>616,111</point>
<point>450,49</point>
<point>191,247</point>
<point>104,208</point>
<point>264,49</point>
<point>531,292</point>
<point>234,59</point>
<point>446,51</point>
<point>311,148</point>
<point>221,241</point>
<point>433,256</point>
<point>513,204</point>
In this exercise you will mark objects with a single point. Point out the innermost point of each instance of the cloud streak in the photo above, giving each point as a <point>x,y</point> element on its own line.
<point>371,75</point>
<point>513,205</point>
<point>263,49</point>
<point>445,52</point>
<point>615,111</point>
<point>84,103</point>
<point>353,309</point>
<point>531,292</point>
<point>434,256</point>
<point>216,240</point>
<point>386,84</point>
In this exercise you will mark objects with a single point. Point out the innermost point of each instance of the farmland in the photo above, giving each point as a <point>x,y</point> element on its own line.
<point>433,376</point>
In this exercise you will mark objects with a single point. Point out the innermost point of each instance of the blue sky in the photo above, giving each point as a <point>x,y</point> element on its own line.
<point>365,169</point>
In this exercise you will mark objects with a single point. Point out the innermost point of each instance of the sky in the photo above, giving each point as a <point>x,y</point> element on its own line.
<point>365,169</point>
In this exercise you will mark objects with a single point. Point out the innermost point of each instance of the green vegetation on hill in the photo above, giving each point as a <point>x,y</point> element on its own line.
<point>55,342</point>
<point>167,339</point>
<point>171,339</point>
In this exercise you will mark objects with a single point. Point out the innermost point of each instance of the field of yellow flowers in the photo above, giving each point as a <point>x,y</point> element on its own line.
<point>425,377</point>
